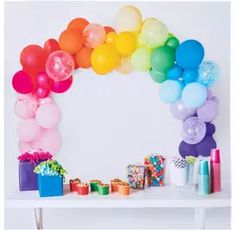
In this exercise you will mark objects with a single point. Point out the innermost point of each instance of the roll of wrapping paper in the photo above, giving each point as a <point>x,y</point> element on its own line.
<point>103,189</point>
<point>124,188</point>
<point>93,184</point>
<point>83,189</point>
<point>73,184</point>
<point>114,184</point>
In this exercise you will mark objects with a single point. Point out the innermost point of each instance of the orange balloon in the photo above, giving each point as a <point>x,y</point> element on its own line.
<point>76,66</point>
<point>109,29</point>
<point>83,57</point>
<point>71,41</point>
<point>78,23</point>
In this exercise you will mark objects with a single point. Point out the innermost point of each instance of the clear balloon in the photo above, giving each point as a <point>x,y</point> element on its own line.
<point>22,82</point>
<point>140,59</point>
<point>193,131</point>
<point>125,66</point>
<point>208,111</point>
<point>61,86</point>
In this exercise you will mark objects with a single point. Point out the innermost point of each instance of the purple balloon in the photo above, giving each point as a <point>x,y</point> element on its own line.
<point>194,130</point>
<point>215,99</point>
<point>208,111</point>
<point>210,129</point>
<point>205,146</point>
<point>209,93</point>
<point>180,112</point>
<point>187,150</point>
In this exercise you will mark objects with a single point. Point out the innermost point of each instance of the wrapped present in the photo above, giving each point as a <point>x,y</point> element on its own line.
<point>50,178</point>
<point>73,184</point>
<point>136,174</point>
<point>103,189</point>
<point>124,188</point>
<point>27,162</point>
<point>83,188</point>
<point>114,184</point>
<point>155,169</point>
<point>94,184</point>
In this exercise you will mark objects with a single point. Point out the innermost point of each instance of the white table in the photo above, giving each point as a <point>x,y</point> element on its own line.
<point>153,197</point>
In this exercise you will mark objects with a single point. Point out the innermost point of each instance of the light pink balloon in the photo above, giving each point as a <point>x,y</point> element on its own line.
<point>94,35</point>
<point>26,107</point>
<point>48,115</point>
<point>45,100</point>
<point>28,130</point>
<point>25,146</point>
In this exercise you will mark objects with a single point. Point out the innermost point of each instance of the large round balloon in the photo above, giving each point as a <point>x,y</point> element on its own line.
<point>129,19</point>
<point>189,54</point>
<point>194,95</point>
<point>61,86</point>
<point>180,112</point>
<point>208,111</point>
<point>193,130</point>
<point>186,149</point>
<point>154,33</point>
<point>140,59</point>
<point>157,76</point>
<point>170,91</point>
<point>205,146</point>
<point>22,82</point>
<point>125,43</point>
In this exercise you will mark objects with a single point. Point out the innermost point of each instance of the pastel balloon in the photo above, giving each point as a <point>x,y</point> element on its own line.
<point>129,19</point>
<point>174,73</point>
<point>210,129</point>
<point>186,149</point>
<point>172,42</point>
<point>26,107</point>
<point>208,111</point>
<point>209,93</point>
<point>51,45</point>
<point>42,79</point>
<point>170,91</point>
<point>104,59</point>
<point>157,76</point>
<point>140,59</point>
<point>41,92</point>
<point>208,73</point>
<point>180,112</point>
<point>125,66</point>
<point>24,146</point>
<point>28,130</point>
<point>194,95</point>
<point>94,35</point>
<point>61,86</point>
<point>22,82</point>
<point>46,100</point>
<point>184,57</point>
<point>190,75</point>
<point>204,147</point>
<point>215,99</point>
<point>48,115</point>
<point>125,43</point>
<point>193,131</point>
<point>154,33</point>
<point>59,65</point>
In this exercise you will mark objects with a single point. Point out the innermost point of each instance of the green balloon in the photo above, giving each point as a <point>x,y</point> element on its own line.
<point>158,76</point>
<point>170,35</point>
<point>172,42</point>
<point>140,59</point>
<point>163,58</point>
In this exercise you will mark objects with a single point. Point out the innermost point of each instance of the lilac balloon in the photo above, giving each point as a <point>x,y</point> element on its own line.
<point>194,130</point>
<point>210,129</point>
<point>180,112</point>
<point>205,146</point>
<point>209,93</point>
<point>208,112</point>
<point>187,150</point>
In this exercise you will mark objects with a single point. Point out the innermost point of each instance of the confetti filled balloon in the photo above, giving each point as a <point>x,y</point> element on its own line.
<point>61,86</point>
<point>125,43</point>
<point>51,45</point>
<point>208,112</point>
<point>193,131</point>
<point>158,76</point>
<point>125,66</point>
<point>94,35</point>
<point>22,82</point>
<point>129,19</point>
<point>78,24</point>
<point>59,65</point>
<point>83,57</point>
<point>140,59</point>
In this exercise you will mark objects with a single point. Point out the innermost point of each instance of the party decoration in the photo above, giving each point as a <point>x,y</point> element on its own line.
<point>111,38</point>
<point>41,92</point>
<point>210,128</point>
<point>172,42</point>
<point>158,76</point>
<point>125,43</point>
<point>59,65</point>
<point>194,95</point>
<point>73,183</point>
<point>83,57</point>
<point>24,146</point>
<point>174,73</point>
<point>140,59</point>
<point>51,45</point>
<point>43,80</point>
<point>204,147</point>
<point>136,174</point>
<point>186,149</point>
<point>125,66</point>
<point>22,83</point>
<point>194,130</point>
<point>208,111</point>
<point>109,29</point>
<point>61,86</point>
<point>190,75</point>
<point>78,24</point>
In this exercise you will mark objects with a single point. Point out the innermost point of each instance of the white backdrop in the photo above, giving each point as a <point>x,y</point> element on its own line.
<point>111,121</point>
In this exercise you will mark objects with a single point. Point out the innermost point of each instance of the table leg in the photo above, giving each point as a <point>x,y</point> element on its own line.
<point>38,218</point>
<point>200,218</point>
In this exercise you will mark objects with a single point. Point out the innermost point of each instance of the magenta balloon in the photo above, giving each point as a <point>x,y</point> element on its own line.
<point>179,111</point>
<point>41,92</point>
<point>61,86</point>
<point>22,83</point>
<point>194,130</point>
<point>43,80</point>
<point>208,111</point>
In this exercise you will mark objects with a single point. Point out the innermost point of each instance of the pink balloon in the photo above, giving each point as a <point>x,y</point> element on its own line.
<point>41,92</point>
<point>61,86</point>
<point>25,146</point>
<point>48,115</point>
<point>26,107</point>
<point>43,80</point>
<point>28,130</point>
<point>46,100</point>
<point>94,35</point>
<point>22,82</point>
<point>59,65</point>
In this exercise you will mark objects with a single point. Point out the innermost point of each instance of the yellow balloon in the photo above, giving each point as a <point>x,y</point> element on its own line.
<point>125,66</point>
<point>129,19</point>
<point>110,38</point>
<point>125,43</point>
<point>104,59</point>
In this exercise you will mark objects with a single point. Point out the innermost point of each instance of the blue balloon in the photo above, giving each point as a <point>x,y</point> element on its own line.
<point>174,73</point>
<point>194,95</point>
<point>189,54</point>
<point>208,73</point>
<point>170,91</point>
<point>190,75</point>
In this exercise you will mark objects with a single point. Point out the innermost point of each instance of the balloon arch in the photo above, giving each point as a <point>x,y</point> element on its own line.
<point>147,46</point>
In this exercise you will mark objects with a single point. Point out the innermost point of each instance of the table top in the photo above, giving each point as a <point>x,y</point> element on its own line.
<point>151,197</point>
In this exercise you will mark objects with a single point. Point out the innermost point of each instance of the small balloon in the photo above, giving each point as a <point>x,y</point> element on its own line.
<point>125,43</point>
<point>140,59</point>
<point>43,80</point>
<point>61,86</point>
<point>125,66</point>
<point>186,149</point>
<point>174,73</point>
<point>78,24</point>
<point>190,75</point>
<point>172,42</point>
<point>208,111</point>
<point>109,29</point>
<point>157,76</point>
<point>46,100</point>
<point>111,38</point>
<point>41,92</point>
<point>205,146</point>
<point>25,146</point>
<point>22,82</point>
<point>210,129</point>
<point>83,57</point>
<point>51,45</point>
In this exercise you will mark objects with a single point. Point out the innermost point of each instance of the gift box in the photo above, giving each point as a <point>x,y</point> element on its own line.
<point>83,189</point>
<point>136,174</point>
<point>73,183</point>
<point>124,188</point>
<point>114,184</point>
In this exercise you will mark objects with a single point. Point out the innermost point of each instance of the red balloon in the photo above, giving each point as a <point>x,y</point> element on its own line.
<point>43,80</point>
<point>51,45</point>
<point>109,29</point>
<point>33,59</point>
<point>22,82</point>
<point>61,86</point>
<point>41,92</point>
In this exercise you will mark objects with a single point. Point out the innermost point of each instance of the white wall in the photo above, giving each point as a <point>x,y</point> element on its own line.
<point>110,121</point>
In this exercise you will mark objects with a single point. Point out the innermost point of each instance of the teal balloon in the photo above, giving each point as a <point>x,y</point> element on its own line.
<point>190,75</point>
<point>174,73</point>
<point>162,58</point>
<point>157,76</point>
<point>194,95</point>
<point>170,91</point>
<point>172,42</point>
